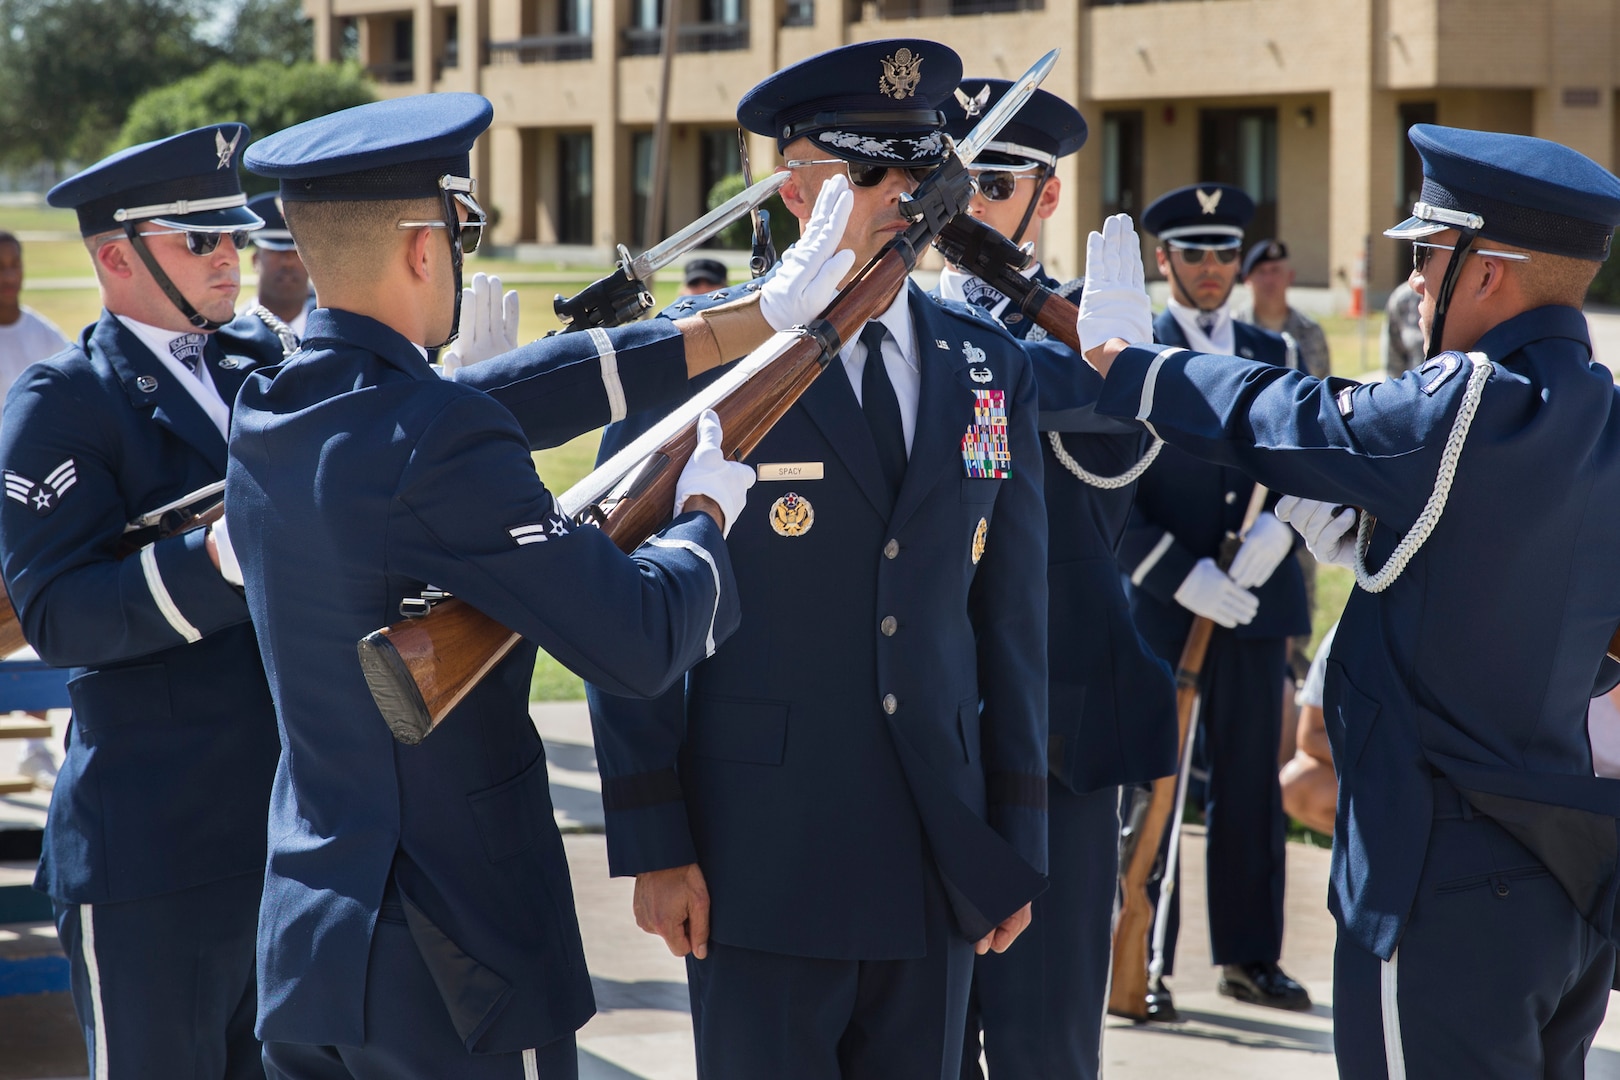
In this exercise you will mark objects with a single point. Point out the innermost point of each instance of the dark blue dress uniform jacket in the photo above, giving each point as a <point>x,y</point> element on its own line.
<point>1478,661</point>
<point>172,744</point>
<point>364,477</point>
<point>1112,705</point>
<point>1185,506</point>
<point>810,809</point>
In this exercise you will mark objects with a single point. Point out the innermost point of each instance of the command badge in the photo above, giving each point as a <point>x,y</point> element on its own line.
<point>41,496</point>
<point>978,540</point>
<point>792,515</point>
<point>985,450</point>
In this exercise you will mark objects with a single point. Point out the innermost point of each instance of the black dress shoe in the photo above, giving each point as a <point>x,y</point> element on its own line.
<point>1263,983</point>
<point>1161,1007</point>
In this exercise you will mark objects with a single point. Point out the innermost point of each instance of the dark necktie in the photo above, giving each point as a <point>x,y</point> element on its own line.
<point>188,349</point>
<point>1207,321</point>
<point>882,408</point>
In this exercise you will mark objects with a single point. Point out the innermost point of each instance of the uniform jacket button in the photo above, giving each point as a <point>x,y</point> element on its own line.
<point>890,704</point>
<point>891,549</point>
<point>1231,497</point>
<point>889,625</point>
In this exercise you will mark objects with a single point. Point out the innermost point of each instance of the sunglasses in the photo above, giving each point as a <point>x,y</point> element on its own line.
<point>1194,256</point>
<point>472,230</point>
<point>1422,251</point>
<point>206,243</point>
<point>998,185</point>
<point>866,175</point>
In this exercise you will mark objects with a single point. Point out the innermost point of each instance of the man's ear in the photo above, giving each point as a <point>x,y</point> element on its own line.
<point>1162,260</point>
<point>793,195</point>
<point>418,253</point>
<point>1492,277</point>
<point>113,259</point>
<point>1048,203</point>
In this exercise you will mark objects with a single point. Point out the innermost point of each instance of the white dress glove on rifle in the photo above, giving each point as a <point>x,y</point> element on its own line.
<point>1329,529</point>
<point>1114,302</point>
<point>811,269</point>
<point>708,473</point>
<point>1207,591</point>
<point>1267,545</point>
<point>229,568</point>
<point>489,324</point>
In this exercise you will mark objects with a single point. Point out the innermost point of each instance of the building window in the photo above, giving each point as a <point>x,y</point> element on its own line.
<point>1122,163</point>
<point>574,188</point>
<point>451,57</point>
<point>1239,147</point>
<point>718,157</point>
<point>799,13</point>
<point>646,14</point>
<point>913,9</point>
<point>574,17</point>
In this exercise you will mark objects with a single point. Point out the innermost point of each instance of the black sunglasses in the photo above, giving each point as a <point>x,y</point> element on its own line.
<point>998,185</point>
<point>867,175</point>
<point>471,232</point>
<point>1422,251</point>
<point>1193,256</point>
<point>206,243</point>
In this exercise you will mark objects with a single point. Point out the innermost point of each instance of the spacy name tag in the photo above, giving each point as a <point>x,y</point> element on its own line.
<point>791,470</point>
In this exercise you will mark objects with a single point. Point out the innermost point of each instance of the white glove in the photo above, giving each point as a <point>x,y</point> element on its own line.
<point>1267,545</point>
<point>1207,591</point>
<point>489,324</point>
<point>229,568</point>
<point>811,269</point>
<point>708,473</point>
<point>1114,302</point>
<point>1329,529</point>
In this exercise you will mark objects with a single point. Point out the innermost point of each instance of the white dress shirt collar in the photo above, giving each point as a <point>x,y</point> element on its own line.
<point>1219,340</point>
<point>199,384</point>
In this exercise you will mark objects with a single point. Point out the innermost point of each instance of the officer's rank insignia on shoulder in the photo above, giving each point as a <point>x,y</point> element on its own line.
<point>1438,369</point>
<point>538,532</point>
<point>985,450</point>
<point>792,515</point>
<point>41,496</point>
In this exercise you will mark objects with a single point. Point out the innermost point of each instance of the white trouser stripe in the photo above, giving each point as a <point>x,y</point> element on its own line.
<point>696,549</point>
<point>87,937</point>
<point>531,1065</point>
<point>1152,560</point>
<point>610,373</point>
<point>165,602</point>
<point>1144,407</point>
<point>1389,1005</point>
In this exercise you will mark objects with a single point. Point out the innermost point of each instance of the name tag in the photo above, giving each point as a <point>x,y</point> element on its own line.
<point>791,470</point>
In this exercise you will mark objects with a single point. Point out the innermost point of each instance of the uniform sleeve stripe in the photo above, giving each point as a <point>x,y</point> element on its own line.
<point>610,373</point>
<point>700,552</point>
<point>1146,566</point>
<point>640,790</point>
<point>1016,789</point>
<point>165,602</point>
<point>1145,407</point>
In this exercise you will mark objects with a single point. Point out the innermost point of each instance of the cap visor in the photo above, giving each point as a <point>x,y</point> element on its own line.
<point>274,240</point>
<point>1415,228</point>
<point>229,219</point>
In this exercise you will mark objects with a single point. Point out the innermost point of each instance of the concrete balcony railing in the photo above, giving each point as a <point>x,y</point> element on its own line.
<point>540,49</point>
<point>689,37</point>
<point>395,71</point>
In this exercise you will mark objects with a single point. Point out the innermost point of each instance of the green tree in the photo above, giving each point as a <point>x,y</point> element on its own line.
<point>70,68</point>
<point>737,235</point>
<point>266,96</point>
<point>270,30</point>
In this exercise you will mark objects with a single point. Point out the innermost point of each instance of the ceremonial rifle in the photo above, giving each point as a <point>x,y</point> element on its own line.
<point>202,507</point>
<point>420,669</point>
<point>623,295</point>
<point>1147,819</point>
<point>974,247</point>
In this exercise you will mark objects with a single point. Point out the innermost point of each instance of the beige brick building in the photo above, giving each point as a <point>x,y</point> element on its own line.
<point>1302,102</point>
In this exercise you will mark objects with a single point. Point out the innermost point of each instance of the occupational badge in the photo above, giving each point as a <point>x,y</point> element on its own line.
<point>980,374</point>
<point>985,450</point>
<point>42,496</point>
<point>972,353</point>
<point>978,540</point>
<point>792,515</point>
<point>901,74</point>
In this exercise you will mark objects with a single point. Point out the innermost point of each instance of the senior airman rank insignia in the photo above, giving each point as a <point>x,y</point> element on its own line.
<point>978,540</point>
<point>792,515</point>
<point>985,450</point>
<point>42,496</point>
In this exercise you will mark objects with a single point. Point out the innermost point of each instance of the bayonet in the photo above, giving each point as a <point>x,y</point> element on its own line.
<point>763,255</point>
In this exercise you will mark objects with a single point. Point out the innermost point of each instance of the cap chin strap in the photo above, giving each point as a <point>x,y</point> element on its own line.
<point>1171,263</point>
<point>1029,211</point>
<point>1442,299</point>
<point>452,220</point>
<point>193,316</point>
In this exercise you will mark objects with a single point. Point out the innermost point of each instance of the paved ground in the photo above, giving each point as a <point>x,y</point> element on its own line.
<point>642,1029</point>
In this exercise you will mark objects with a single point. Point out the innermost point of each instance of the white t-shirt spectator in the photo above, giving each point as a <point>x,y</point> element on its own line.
<point>27,341</point>
<point>1310,691</point>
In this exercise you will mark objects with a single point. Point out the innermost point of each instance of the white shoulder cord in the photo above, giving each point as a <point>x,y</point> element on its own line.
<point>1106,483</point>
<point>1430,517</point>
<point>289,340</point>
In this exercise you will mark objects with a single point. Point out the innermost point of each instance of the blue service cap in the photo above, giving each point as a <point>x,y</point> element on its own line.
<point>1262,251</point>
<point>1200,215</point>
<point>875,103</point>
<point>275,235</point>
<point>186,181</point>
<point>1542,195</point>
<point>403,148</point>
<point>1043,130</point>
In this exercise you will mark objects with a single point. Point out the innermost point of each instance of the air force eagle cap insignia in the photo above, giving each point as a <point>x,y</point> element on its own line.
<point>1200,215</point>
<point>874,102</point>
<point>186,181</point>
<point>1045,129</point>
<point>1514,189</point>
<point>402,148</point>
